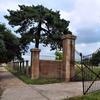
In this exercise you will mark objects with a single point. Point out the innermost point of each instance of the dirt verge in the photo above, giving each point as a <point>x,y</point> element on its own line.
<point>1,90</point>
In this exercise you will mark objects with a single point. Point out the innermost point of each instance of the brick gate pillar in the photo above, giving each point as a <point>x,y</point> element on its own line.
<point>68,56</point>
<point>35,63</point>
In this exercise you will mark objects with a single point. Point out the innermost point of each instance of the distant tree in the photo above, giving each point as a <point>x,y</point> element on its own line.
<point>38,24</point>
<point>59,55</point>
<point>95,60</point>
<point>9,45</point>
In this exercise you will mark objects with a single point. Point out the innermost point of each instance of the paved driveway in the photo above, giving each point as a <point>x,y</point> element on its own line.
<point>59,90</point>
<point>15,89</point>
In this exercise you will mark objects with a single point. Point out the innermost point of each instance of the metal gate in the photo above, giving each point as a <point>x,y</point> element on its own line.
<point>88,71</point>
<point>90,74</point>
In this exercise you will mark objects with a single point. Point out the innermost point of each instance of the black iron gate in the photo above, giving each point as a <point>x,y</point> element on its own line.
<point>88,71</point>
<point>90,74</point>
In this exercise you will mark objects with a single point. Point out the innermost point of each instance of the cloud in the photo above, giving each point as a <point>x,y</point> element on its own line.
<point>84,17</point>
<point>45,52</point>
<point>88,12</point>
<point>4,5</point>
<point>2,19</point>
<point>89,35</point>
<point>60,5</point>
<point>85,20</point>
<point>87,48</point>
<point>85,24</point>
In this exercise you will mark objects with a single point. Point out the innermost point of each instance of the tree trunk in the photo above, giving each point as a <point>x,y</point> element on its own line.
<point>37,35</point>
<point>36,43</point>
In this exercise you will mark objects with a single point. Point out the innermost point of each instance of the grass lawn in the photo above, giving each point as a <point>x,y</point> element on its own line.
<point>28,80</point>
<point>90,96</point>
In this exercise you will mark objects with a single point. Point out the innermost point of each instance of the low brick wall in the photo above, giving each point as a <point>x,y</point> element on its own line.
<point>51,69</point>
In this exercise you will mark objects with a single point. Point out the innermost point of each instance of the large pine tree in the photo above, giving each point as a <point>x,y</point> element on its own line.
<point>39,25</point>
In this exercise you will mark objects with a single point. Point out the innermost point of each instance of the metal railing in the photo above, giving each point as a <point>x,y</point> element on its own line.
<point>90,72</point>
<point>22,67</point>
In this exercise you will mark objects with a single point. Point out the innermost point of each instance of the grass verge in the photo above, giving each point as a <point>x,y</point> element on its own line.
<point>28,80</point>
<point>90,96</point>
<point>1,91</point>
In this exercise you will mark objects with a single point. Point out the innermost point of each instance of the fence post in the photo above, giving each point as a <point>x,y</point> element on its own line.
<point>27,68</point>
<point>35,63</point>
<point>20,66</point>
<point>82,68</point>
<point>69,56</point>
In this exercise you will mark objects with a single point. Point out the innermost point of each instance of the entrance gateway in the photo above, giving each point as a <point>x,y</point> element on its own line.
<point>67,69</point>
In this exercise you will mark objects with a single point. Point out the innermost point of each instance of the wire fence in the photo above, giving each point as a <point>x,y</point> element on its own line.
<point>47,57</point>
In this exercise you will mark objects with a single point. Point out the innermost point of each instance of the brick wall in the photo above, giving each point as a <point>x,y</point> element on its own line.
<point>51,69</point>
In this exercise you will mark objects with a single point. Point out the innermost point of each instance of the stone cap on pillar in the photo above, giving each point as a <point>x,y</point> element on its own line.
<point>69,36</point>
<point>35,50</point>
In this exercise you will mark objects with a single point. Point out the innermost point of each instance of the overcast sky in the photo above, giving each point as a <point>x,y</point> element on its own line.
<point>84,17</point>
